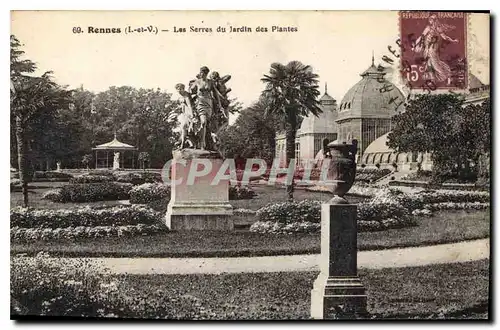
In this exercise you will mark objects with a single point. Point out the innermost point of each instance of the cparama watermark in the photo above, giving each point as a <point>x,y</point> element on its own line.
<point>187,172</point>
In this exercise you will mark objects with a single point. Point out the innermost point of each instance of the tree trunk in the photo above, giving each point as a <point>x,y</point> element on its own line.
<point>291,130</point>
<point>21,159</point>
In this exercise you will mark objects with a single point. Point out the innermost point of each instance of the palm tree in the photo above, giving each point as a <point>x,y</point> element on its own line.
<point>28,96</point>
<point>291,92</point>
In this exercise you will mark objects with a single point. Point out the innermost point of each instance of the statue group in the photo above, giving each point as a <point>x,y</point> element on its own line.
<point>204,110</point>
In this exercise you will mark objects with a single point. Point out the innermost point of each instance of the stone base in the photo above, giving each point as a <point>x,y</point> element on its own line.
<point>338,298</point>
<point>199,216</point>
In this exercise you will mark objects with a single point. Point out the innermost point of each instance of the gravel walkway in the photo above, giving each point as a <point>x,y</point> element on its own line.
<point>404,257</point>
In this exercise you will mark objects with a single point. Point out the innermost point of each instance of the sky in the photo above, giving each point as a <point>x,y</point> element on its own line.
<point>337,44</point>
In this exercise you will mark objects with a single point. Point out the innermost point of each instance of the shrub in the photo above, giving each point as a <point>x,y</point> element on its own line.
<point>42,286</point>
<point>91,192</point>
<point>48,176</point>
<point>137,178</point>
<point>291,211</point>
<point>367,175</point>
<point>91,178</point>
<point>84,216</point>
<point>102,172</point>
<point>241,192</point>
<point>149,192</point>
<point>47,234</point>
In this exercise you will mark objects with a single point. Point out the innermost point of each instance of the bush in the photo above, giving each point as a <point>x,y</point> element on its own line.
<point>91,178</point>
<point>241,192</point>
<point>51,175</point>
<point>91,192</point>
<point>85,216</point>
<point>137,178</point>
<point>48,176</point>
<point>42,286</point>
<point>47,234</point>
<point>305,216</point>
<point>149,192</point>
<point>102,172</point>
<point>367,175</point>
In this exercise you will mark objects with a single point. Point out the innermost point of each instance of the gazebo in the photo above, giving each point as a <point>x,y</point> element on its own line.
<point>115,147</point>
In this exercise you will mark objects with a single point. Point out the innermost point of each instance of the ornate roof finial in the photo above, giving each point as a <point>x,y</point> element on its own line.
<point>326,88</point>
<point>115,134</point>
<point>373,58</point>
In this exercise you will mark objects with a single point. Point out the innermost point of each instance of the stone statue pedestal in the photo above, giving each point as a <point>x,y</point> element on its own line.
<point>201,205</point>
<point>338,291</point>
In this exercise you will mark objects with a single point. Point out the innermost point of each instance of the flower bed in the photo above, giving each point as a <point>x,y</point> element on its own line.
<point>91,192</point>
<point>48,176</point>
<point>42,286</point>
<point>138,178</point>
<point>388,208</point>
<point>305,216</point>
<point>370,174</point>
<point>85,216</point>
<point>149,192</point>
<point>91,178</point>
<point>44,234</point>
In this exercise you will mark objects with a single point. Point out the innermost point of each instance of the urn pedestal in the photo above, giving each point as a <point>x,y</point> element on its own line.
<point>200,204</point>
<point>338,291</point>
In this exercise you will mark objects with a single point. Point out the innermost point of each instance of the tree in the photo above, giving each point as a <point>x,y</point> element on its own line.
<point>30,97</point>
<point>291,92</point>
<point>144,158</point>
<point>252,135</point>
<point>454,134</point>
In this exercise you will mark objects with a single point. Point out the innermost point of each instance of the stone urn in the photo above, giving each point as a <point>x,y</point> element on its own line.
<point>341,168</point>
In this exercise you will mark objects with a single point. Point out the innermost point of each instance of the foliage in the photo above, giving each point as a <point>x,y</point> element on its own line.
<point>91,192</point>
<point>84,216</point>
<point>291,93</point>
<point>370,174</point>
<point>455,135</point>
<point>48,234</point>
<point>34,103</point>
<point>388,208</point>
<point>149,192</point>
<point>91,178</point>
<point>252,135</point>
<point>137,178</point>
<point>42,286</point>
<point>241,192</point>
<point>102,172</point>
<point>86,160</point>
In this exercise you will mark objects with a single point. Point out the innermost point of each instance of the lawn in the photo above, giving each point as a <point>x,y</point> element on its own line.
<point>442,227</point>
<point>438,291</point>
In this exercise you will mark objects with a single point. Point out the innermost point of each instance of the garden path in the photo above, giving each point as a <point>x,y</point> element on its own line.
<point>391,258</point>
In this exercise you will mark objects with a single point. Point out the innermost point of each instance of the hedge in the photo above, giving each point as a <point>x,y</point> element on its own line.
<point>85,216</point>
<point>138,178</point>
<point>91,192</point>
<point>36,234</point>
<point>91,178</point>
<point>149,192</point>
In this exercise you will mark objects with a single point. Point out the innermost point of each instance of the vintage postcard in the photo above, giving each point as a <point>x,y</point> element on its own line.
<point>250,165</point>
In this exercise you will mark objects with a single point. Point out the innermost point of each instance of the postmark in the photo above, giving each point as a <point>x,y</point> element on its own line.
<point>433,47</point>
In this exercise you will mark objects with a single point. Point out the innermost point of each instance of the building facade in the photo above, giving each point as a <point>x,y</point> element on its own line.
<point>365,113</point>
<point>313,131</point>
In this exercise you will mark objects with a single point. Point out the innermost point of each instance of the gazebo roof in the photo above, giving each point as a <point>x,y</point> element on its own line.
<point>114,145</point>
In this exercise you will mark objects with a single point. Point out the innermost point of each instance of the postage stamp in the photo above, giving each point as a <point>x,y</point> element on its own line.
<point>434,49</point>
